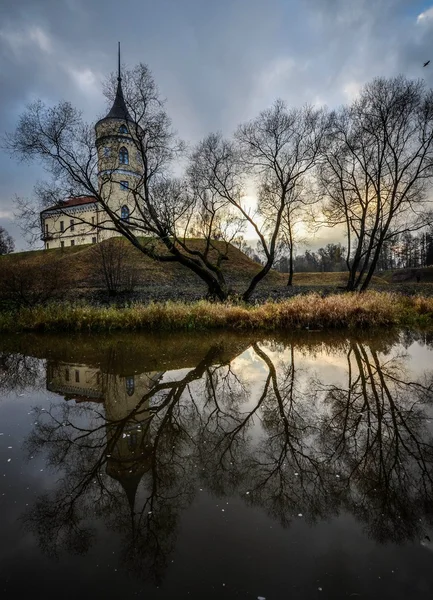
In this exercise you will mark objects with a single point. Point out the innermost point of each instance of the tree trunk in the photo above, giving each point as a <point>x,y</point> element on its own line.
<point>255,280</point>
<point>290,280</point>
<point>370,273</point>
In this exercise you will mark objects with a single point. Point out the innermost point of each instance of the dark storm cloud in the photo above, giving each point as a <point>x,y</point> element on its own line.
<point>217,63</point>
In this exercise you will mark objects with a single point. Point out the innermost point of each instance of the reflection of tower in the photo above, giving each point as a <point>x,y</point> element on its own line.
<point>127,415</point>
<point>128,444</point>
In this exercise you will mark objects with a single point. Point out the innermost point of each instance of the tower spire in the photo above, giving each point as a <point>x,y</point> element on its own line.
<point>119,109</point>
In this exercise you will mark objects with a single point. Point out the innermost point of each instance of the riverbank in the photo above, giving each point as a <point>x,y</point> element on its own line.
<point>311,312</point>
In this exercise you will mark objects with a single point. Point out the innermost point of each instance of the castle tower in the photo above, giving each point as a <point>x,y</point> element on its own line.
<point>119,162</point>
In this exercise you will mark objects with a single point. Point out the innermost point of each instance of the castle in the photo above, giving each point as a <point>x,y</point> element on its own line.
<point>81,220</point>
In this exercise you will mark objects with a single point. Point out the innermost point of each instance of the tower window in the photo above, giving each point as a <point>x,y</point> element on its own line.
<point>124,213</point>
<point>123,129</point>
<point>123,156</point>
<point>123,185</point>
<point>130,385</point>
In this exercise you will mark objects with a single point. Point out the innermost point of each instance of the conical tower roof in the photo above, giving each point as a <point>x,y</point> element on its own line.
<point>119,110</point>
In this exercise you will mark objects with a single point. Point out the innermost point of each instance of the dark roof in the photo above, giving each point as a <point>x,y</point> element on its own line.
<point>80,398</point>
<point>72,202</point>
<point>119,109</point>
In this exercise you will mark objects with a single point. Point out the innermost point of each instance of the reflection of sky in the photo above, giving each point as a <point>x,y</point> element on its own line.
<point>226,547</point>
<point>326,363</point>
<point>420,358</point>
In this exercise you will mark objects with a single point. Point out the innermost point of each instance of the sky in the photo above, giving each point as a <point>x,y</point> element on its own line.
<point>217,63</point>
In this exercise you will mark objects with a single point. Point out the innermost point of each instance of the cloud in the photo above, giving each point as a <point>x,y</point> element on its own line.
<point>87,81</point>
<point>351,90</point>
<point>218,64</point>
<point>425,16</point>
<point>23,41</point>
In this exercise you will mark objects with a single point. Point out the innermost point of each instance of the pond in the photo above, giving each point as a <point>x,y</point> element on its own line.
<point>217,466</point>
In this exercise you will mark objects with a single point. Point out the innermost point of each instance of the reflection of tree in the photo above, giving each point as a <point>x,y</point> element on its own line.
<point>286,474</point>
<point>376,436</point>
<point>157,476</point>
<point>18,371</point>
<point>295,443</point>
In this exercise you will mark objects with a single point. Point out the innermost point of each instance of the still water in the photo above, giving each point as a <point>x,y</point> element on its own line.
<point>217,466</point>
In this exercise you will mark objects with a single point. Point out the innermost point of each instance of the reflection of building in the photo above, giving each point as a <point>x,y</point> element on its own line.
<point>126,412</point>
<point>75,382</point>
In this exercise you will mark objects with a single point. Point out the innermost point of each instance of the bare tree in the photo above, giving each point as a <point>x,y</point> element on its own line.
<point>276,149</point>
<point>111,260</point>
<point>377,168</point>
<point>27,283</point>
<point>294,213</point>
<point>162,205</point>
<point>6,242</point>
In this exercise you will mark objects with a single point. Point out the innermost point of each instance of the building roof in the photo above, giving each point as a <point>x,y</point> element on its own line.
<point>80,398</point>
<point>119,109</point>
<point>70,202</point>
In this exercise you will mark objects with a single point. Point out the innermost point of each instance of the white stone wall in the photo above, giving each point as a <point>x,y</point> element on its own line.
<point>116,180</point>
<point>113,174</point>
<point>70,227</point>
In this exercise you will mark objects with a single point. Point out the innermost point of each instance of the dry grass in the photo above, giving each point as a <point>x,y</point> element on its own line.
<point>79,261</point>
<point>372,309</point>
<point>328,279</point>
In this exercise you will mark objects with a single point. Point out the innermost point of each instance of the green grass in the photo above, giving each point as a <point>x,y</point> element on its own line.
<point>372,309</point>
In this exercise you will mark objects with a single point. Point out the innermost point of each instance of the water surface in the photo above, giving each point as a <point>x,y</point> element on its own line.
<point>217,466</point>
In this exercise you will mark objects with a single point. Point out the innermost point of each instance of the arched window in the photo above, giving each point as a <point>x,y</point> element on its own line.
<point>124,213</point>
<point>130,385</point>
<point>123,156</point>
<point>123,129</point>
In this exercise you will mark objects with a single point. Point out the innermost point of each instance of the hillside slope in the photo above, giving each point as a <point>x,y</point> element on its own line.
<point>425,275</point>
<point>82,272</point>
<point>83,267</point>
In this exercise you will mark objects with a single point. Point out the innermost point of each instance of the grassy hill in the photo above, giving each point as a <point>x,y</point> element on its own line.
<point>83,268</point>
<point>81,271</point>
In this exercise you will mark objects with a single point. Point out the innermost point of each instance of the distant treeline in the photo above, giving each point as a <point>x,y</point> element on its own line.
<point>402,252</point>
<point>331,258</point>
